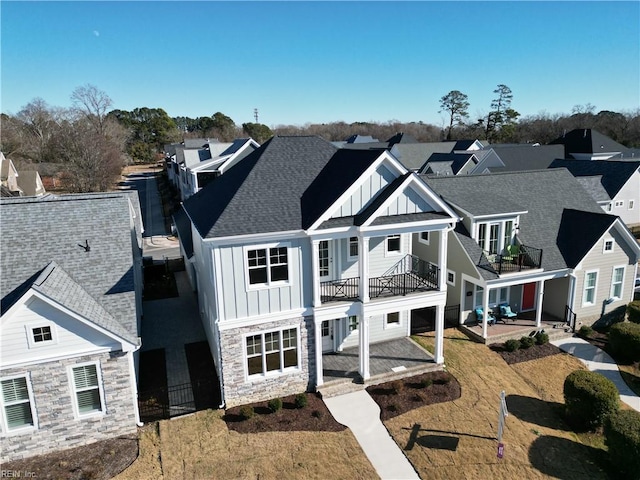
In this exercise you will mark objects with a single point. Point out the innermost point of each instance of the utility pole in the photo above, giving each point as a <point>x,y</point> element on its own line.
<point>255,114</point>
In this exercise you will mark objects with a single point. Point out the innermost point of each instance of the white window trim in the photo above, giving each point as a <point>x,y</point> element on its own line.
<point>29,332</point>
<point>349,330</point>
<point>18,431</point>
<point>608,207</point>
<point>352,258</point>
<point>391,253</point>
<point>452,282</point>
<point>502,225</point>
<point>631,204</point>
<point>619,204</point>
<point>422,240</point>
<point>392,325</point>
<point>595,289</point>
<point>604,245</point>
<point>273,373</point>
<point>74,399</point>
<point>261,286</point>
<point>613,272</point>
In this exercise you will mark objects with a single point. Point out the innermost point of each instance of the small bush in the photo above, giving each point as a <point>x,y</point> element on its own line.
<point>622,437</point>
<point>512,345</point>
<point>392,407</point>
<point>542,338</point>
<point>527,342</point>
<point>275,404</point>
<point>589,399</point>
<point>301,400</point>
<point>633,312</point>
<point>417,398</point>
<point>426,382</point>
<point>247,412</point>
<point>585,331</point>
<point>397,386</point>
<point>316,414</point>
<point>624,339</point>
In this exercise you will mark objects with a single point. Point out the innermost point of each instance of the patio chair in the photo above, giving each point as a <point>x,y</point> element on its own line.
<point>513,253</point>
<point>491,320</point>
<point>506,312</point>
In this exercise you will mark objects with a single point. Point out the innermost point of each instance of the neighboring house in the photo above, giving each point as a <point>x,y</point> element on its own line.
<point>615,185</point>
<point>303,249</point>
<point>515,158</point>
<point>69,329</point>
<point>199,175</point>
<point>449,164</point>
<point>30,183</point>
<point>174,156</point>
<point>571,258</point>
<point>9,177</point>
<point>589,144</point>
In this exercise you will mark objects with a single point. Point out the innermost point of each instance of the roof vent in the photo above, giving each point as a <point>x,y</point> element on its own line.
<point>86,246</point>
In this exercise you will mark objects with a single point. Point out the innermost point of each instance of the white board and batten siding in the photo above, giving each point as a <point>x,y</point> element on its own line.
<point>604,263</point>
<point>408,202</point>
<point>363,195</point>
<point>70,336</point>
<point>241,300</point>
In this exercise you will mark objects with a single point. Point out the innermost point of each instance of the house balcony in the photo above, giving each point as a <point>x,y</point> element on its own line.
<point>410,275</point>
<point>521,259</point>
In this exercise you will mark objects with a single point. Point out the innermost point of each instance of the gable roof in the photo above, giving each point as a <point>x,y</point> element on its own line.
<point>614,173</point>
<point>448,163</point>
<point>30,183</point>
<point>545,194</point>
<point>593,185</point>
<point>54,228</point>
<point>401,137</point>
<point>525,157</point>
<point>587,140</point>
<point>414,155</point>
<point>579,231</point>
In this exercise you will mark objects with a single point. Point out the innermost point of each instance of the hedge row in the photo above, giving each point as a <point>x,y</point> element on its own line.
<point>633,312</point>
<point>589,399</point>
<point>622,437</point>
<point>624,339</point>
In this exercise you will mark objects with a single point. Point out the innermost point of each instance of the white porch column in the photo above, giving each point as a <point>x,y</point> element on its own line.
<point>539,304</point>
<point>318,333</point>
<point>363,350</point>
<point>485,310</point>
<point>439,346</point>
<point>363,268</point>
<point>442,260</point>
<point>315,271</point>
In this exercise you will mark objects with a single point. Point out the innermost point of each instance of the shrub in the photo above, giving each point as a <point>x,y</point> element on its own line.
<point>624,339</point>
<point>589,398</point>
<point>585,331</point>
<point>633,312</point>
<point>316,414</point>
<point>425,382</point>
<point>527,342</point>
<point>246,412</point>
<point>392,407</point>
<point>622,437</point>
<point>275,404</point>
<point>542,338</point>
<point>417,398</point>
<point>301,400</point>
<point>512,345</point>
<point>397,386</point>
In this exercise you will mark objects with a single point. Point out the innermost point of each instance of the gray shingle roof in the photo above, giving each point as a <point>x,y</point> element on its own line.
<point>587,140</point>
<point>51,228</point>
<point>414,155</point>
<point>526,157</point>
<point>447,162</point>
<point>593,185</point>
<point>545,194</point>
<point>614,174</point>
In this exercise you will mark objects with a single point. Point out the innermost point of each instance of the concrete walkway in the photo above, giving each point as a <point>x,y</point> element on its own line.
<point>361,414</point>
<point>599,361</point>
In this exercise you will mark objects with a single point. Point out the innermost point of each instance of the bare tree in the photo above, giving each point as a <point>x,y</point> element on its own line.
<point>93,104</point>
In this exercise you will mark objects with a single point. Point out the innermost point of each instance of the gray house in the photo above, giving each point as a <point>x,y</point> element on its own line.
<point>71,308</point>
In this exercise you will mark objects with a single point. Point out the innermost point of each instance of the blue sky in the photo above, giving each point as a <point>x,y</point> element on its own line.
<point>319,62</point>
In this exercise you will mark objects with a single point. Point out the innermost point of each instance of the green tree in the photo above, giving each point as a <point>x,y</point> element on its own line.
<point>257,131</point>
<point>502,118</point>
<point>456,104</point>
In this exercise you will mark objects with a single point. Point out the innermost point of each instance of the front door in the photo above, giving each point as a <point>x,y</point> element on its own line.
<point>529,296</point>
<point>324,261</point>
<point>327,336</point>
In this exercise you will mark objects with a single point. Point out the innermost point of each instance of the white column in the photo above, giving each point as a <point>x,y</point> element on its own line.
<point>485,310</point>
<point>363,268</point>
<point>315,271</point>
<point>318,333</point>
<point>442,260</point>
<point>439,347</point>
<point>363,351</point>
<point>539,305</point>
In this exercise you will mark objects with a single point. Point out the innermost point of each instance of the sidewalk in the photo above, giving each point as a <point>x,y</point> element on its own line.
<point>599,361</point>
<point>361,414</point>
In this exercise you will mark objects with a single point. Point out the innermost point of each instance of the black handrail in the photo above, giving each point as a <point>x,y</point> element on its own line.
<point>340,290</point>
<point>527,258</point>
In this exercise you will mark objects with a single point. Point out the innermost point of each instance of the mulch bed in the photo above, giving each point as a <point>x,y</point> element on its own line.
<point>400,396</point>
<point>525,354</point>
<point>98,461</point>
<point>314,417</point>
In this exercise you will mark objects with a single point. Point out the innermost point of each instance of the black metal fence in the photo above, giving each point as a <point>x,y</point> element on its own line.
<point>570,318</point>
<point>526,259</point>
<point>168,402</point>
<point>451,316</point>
<point>340,290</point>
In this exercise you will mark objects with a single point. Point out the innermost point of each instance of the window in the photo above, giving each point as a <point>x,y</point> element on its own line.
<point>608,208</point>
<point>86,389</point>
<point>494,237</point>
<point>608,246</point>
<point>617,282</point>
<point>393,244</point>
<point>267,265</point>
<point>451,278</point>
<point>353,323</point>
<point>424,238</point>
<point>272,351</point>
<point>498,295</point>
<point>42,334</point>
<point>393,318</point>
<point>353,248</point>
<point>323,258</point>
<point>589,297</point>
<point>508,233</point>
<point>16,404</point>
<point>631,204</point>
<point>619,203</point>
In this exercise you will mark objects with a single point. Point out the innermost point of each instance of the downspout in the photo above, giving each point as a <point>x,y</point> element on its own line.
<point>134,384</point>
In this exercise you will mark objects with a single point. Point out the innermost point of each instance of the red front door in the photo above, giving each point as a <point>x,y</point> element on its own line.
<point>528,296</point>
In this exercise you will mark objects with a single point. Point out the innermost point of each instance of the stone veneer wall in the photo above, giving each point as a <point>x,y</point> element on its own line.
<point>57,427</point>
<point>239,391</point>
